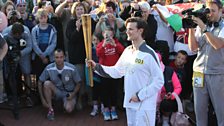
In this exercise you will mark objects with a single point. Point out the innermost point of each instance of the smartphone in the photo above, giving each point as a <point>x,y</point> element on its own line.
<point>106,17</point>
<point>48,3</point>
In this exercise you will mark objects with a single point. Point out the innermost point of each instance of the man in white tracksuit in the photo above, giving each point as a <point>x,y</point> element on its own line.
<point>143,78</point>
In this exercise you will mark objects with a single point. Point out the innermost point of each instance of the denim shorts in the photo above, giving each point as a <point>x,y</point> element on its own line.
<point>25,64</point>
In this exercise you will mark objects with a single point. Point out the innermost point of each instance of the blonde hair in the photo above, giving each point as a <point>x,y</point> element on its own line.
<point>41,12</point>
<point>4,7</point>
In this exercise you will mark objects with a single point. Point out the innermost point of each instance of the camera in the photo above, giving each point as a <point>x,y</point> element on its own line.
<point>201,13</point>
<point>13,55</point>
<point>14,48</point>
<point>48,3</point>
<point>13,17</point>
<point>105,17</point>
<point>107,38</point>
<point>67,95</point>
<point>136,12</point>
<point>22,43</point>
<point>13,13</point>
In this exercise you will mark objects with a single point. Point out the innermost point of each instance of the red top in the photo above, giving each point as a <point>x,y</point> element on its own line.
<point>172,64</point>
<point>109,54</point>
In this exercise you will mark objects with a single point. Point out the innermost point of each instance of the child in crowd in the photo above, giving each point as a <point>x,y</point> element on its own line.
<point>108,52</point>
<point>166,102</point>
<point>178,66</point>
<point>44,38</point>
<point>97,88</point>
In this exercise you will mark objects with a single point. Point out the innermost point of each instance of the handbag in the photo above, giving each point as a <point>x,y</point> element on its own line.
<point>179,118</point>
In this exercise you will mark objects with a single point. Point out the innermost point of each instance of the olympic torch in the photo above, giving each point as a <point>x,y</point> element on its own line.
<point>87,33</point>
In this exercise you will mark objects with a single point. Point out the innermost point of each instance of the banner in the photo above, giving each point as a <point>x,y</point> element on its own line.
<point>178,8</point>
<point>172,13</point>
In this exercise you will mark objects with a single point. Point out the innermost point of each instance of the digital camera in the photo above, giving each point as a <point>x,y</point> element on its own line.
<point>201,13</point>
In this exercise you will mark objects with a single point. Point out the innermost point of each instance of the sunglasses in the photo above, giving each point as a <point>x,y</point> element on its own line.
<point>60,76</point>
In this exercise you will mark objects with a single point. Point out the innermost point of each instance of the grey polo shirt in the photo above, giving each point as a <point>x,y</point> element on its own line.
<point>209,60</point>
<point>65,79</point>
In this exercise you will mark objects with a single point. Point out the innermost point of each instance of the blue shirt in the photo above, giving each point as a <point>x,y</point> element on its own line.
<point>44,35</point>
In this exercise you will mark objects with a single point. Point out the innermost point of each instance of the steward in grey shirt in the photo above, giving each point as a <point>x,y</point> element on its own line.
<point>59,80</point>
<point>208,77</point>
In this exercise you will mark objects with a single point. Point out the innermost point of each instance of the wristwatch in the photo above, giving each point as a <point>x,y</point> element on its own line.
<point>205,30</point>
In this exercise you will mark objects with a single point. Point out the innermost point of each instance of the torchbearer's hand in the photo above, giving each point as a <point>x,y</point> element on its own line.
<point>134,98</point>
<point>90,63</point>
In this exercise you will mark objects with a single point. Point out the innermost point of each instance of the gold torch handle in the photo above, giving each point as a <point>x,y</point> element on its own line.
<point>87,33</point>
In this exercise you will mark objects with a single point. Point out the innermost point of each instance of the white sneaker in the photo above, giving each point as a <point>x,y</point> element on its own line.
<point>94,112</point>
<point>106,116</point>
<point>102,108</point>
<point>114,115</point>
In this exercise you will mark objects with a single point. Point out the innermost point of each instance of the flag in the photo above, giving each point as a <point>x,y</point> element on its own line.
<point>172,13</point>
<point>175,20</point>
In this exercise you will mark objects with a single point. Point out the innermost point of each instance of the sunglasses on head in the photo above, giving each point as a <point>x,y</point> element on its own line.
<point>59,76</point>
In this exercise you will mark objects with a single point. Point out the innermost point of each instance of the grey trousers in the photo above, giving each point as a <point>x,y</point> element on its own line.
<point>213,88</point>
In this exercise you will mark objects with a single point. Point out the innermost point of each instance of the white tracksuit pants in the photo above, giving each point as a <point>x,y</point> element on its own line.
<point>140,117</point>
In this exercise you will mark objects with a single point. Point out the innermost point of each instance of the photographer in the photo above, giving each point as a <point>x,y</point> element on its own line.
<point>20,46</point>
<point>208,41</point>
<point>108,19</point>
<point>143,10</point>
<point>14,16</point>
<point>151,30</point>
<point>61,81</point>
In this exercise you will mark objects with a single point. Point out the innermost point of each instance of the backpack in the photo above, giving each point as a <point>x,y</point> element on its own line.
<point>163,48</point>
<point>168,84</point>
